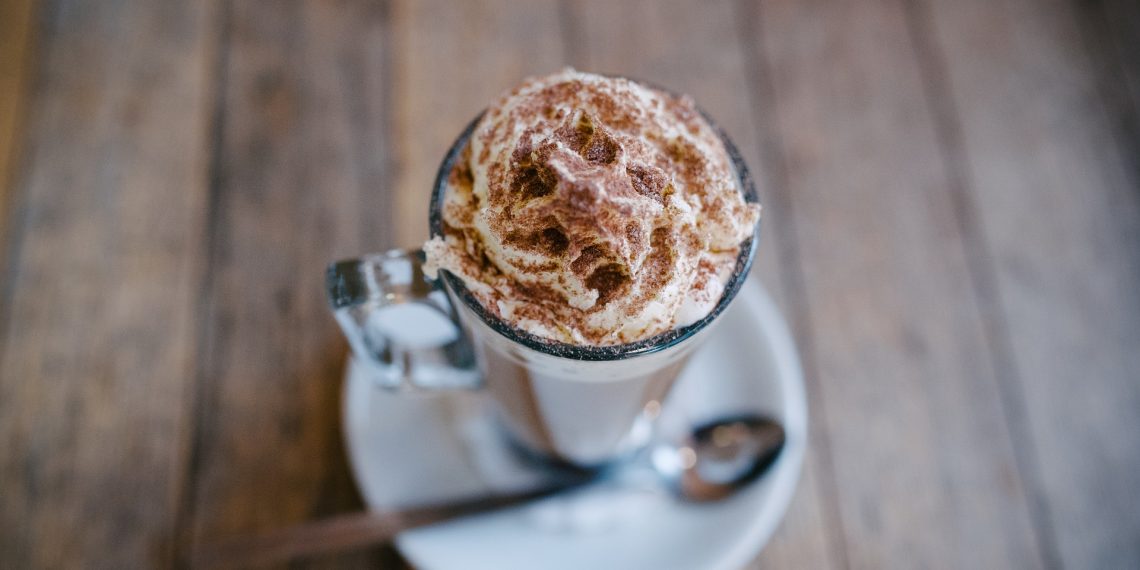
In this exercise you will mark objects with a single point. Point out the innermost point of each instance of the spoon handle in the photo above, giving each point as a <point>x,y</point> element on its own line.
<point>342,532</point>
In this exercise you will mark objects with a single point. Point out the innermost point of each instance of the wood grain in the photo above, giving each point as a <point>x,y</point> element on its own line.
<point>923,459</point>
<point>300,173</point>
<point>452,59</point>
<point>16,39</point>
<point>1056,198</point>
<point>702,50</point>
<point>951,220</point>
<point>97,328</point>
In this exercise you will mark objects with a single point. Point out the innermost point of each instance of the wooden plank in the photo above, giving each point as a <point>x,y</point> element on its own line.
<point>98,320</point>
<point>1054,191</point>
<point>701,49</point>
<point>924,465</point>
<point>16,27</point>
<point>452,60</point>
<point>300,182</point>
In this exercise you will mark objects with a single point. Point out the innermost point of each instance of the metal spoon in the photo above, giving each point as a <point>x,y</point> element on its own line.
<point>719,458</point>
<point>714,461</point>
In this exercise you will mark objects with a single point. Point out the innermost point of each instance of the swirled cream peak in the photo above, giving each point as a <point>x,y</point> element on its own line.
<point>593,210</point>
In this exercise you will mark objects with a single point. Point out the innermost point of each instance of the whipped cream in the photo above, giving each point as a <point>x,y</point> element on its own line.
<point>593,210</point>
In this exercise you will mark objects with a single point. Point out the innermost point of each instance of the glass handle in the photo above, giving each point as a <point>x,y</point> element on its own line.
<point>400,324</point>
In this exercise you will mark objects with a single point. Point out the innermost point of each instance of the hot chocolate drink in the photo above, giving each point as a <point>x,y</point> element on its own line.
<point>593,210</point>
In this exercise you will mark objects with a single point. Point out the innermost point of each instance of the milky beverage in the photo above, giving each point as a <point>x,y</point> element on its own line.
<point>590,226</point>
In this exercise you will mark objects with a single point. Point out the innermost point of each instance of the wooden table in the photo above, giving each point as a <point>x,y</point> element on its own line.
<point>952,206</point>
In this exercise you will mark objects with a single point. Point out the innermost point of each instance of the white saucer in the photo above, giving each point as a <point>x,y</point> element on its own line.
<point>409,450</point>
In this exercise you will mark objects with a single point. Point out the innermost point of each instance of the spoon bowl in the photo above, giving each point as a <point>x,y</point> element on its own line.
<point>721,457</point>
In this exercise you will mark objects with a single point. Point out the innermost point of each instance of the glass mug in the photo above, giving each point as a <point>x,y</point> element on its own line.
<point>575,405</point>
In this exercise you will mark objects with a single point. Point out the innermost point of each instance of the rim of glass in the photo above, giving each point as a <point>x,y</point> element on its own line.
<point>561,349</point>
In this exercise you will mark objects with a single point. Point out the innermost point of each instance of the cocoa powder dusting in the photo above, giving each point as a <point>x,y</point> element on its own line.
<point>608,280</point>
<point>594,196</point>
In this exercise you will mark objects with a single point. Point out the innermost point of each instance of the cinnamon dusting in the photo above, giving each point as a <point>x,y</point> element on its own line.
<point>598,206</point>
